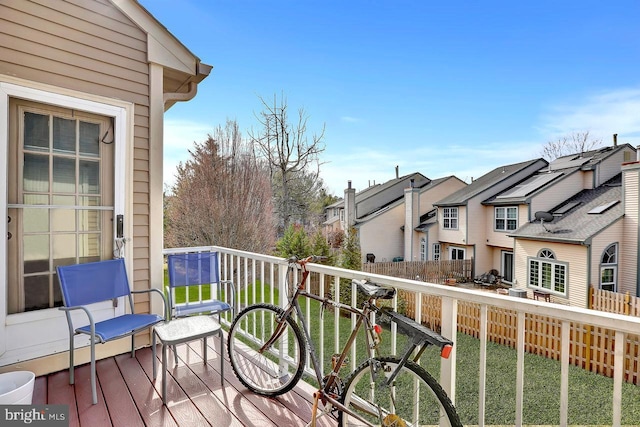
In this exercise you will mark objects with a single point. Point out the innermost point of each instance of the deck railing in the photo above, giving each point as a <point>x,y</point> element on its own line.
<point>248,270</point>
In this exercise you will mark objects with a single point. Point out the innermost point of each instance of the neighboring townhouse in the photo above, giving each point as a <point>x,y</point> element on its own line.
<point>587,241</point>
<point>390,233</point>
<point>549,187</point>
<point>380,212</point>
<point>343,213</point>
<point>83,90</point>
<point>462,218</point>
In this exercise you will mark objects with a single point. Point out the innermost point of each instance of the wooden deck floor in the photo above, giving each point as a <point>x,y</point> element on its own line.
<point>128,396</point>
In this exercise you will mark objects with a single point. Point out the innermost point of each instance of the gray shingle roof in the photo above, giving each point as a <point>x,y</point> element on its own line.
<point>485,182</point>
<point>577,225</point>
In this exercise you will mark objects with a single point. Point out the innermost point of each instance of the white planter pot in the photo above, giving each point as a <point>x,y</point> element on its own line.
<point>16,388</point>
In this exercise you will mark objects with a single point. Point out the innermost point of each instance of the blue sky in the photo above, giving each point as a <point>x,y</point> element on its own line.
<point>442,88</point>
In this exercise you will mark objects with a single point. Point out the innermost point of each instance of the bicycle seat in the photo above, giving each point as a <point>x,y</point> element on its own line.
<point>373,290</point>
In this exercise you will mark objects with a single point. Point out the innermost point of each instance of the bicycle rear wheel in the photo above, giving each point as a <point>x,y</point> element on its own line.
<point>413,399</point>
<point>267,370</point>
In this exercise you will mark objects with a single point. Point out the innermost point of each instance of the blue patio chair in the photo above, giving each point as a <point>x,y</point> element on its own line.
<point>89,283</point>
<point>198,269</point>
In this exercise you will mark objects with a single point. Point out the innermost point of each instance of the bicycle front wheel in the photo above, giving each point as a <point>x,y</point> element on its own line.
<point>267,351</point>
<point>414,398</point>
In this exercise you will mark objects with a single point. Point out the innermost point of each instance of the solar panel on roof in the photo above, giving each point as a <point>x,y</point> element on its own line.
<point>530,185</point>
<point>600,209</point>
<point>568,162</point>
<point>566,208</point>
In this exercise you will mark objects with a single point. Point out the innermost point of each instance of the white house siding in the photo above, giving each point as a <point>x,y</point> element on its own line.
<point>501,238</point>
<point>574,255</point>
<point>629,256</point>
<point>382,236</point>
<point>91,47</point>
<point>557,193</point>
<point>600,242</point>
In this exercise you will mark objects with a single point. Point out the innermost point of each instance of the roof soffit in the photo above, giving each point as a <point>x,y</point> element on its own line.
<point>163,48</point>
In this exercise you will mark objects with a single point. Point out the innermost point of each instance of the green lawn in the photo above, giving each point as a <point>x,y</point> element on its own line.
<point>590,395</point>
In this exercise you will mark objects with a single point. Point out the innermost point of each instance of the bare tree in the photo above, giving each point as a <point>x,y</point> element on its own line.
<point>575,143</point>
<point>222,196</point>
<point>292,156</point>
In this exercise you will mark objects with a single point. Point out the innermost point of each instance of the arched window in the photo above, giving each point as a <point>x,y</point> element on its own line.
<point>547,273</point>
<point>423,249</point>
<point>609,268</point>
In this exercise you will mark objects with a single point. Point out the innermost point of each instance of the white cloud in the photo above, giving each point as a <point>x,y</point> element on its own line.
<point>602,114</point>
<point>350,119</point>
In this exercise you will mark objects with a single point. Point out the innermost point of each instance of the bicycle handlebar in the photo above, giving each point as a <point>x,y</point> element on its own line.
<point>313,258</point>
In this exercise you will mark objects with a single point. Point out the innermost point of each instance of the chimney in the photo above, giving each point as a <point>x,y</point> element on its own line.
<point>615,139</point>
<point>397,171</point>
<point>349,207</point>
<point>411,221</point>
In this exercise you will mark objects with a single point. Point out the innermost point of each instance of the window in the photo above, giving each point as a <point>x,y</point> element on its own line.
<point>456,253</point>
<point>436,251</point>
<point>506,218</point>
<point>423,249</point>
<point>61,199</point>
<point>450,218</point>
<point>547,273</point>
<point>609,268</point>
<point>507,266</point>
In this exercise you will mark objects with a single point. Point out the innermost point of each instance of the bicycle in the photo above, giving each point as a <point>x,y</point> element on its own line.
<point>267,349</point>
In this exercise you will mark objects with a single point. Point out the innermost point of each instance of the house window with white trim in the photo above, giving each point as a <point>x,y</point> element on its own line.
<point>436,251</point>
<point>547,273</point>
<point>506,218</point>
<point>450,218</point>
<point>423,249</point>
<point>609,268</point>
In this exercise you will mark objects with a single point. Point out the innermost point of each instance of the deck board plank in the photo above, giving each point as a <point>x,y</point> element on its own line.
<point>181,407</point>
<point>118,399</point>
<point>60,392</point>
<point>88,413</point>
<point>145,396</point>
<point>40,391</point>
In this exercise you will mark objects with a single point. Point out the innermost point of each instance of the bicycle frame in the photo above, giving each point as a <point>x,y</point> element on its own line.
<point>324,392</point>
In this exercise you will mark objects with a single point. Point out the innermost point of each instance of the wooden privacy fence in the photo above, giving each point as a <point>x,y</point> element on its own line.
<point>427,271</point>
<point>591,348</point>
<point>614,302</point>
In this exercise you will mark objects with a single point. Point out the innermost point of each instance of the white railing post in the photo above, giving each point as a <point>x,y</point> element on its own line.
<point>449,330</point>
<point>484,314</point>
<point>618,376</point>
<point>564,372</point>
<point>520,325</point>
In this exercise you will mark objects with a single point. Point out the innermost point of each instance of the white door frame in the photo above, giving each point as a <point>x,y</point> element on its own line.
<point>39,333</point>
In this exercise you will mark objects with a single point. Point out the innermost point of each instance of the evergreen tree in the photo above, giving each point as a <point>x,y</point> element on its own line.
<point>294,242</point>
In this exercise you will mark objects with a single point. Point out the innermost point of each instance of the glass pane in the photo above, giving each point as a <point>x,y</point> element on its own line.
<point>35,199</point>
<point>89,139</point>
<point>64,175</point>
<point>89,247</point>
<point>88,220</point>
<point>36,132</point>
<point>607,275</point>
<point>35,220</point>
<point>57,293</point>
<point>36,173</point>
<point>36,253</point>
<point>89,180</point>
<point>36,292</point>
<point>64,249</point>
<point>64,200</point>
<point>63,220</point>
<point>64,135</point>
